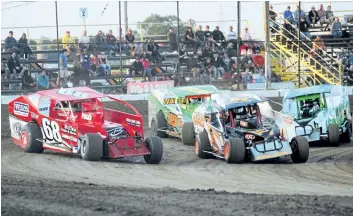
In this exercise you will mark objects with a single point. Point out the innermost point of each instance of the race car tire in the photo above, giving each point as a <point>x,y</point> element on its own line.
<point>155,146</point>
<point>234,151</point>
<point>91,147</point>
<point>346,136</point>
<point>333,134</point>
<point>29,135</point>
<point>188,133</point>
<point>300,147</point>
<point>158,122</point>
<point>202,143</point>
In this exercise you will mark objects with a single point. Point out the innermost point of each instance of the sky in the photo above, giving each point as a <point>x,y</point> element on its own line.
<point>40,16</point>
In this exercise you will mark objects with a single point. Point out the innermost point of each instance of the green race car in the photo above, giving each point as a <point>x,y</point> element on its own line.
<point>170,110</point>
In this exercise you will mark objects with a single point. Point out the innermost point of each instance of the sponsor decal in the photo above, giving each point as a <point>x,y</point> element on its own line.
<point>133,122</point>
<point>21,109</point>
<point>16,127</point>
<point>87,117</point>
<point>116,132</point>
<point>146,87</point>
<point>68,137</point>
<point>51,131</point>
<point>68,129</point>
<point>34,115</point>
<point>42,109</point>
<point>249,136</point>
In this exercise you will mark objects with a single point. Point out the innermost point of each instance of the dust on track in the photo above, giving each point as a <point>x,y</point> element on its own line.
<point>60,184</point>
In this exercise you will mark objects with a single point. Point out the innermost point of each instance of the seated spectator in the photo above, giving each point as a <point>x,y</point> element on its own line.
<point>273,16</point>
<point>130,39</point>
<point>140,50</point>
<point>101,43</point>
<point>104,68</point>
<point>231,36</point>
<point>246,49</point>
<point>318,46</point>
<point>231,51</point>
<point>23,46</point>
<point>304,28</point>
<point>219,66</point>
<point>189,38</point>
<point>155,55</point>
<point>329,17</point>
<point>147,71</point>
<point>11,43</point>
<point>256,49</point>
<point>68,42</point>
<point>27,80</point>
<point>313,16</point>
<point>208,33</point>
<point>64,73</point>
<point>246,35</point>
<point>322,14</point>
<point>288,15</point>
<point>218,35</point>
<point>200,35</point>
<point>84,41</point>
<point>172,39</point>
<point>207,52</point>
<point>112,42</point>
<point>136,67</point>
<point>94,63</point>
<point>14,66</point>
<point>43,81</point>
<point>298,14</point>
<point>336,28</point>
<point>287,30</point>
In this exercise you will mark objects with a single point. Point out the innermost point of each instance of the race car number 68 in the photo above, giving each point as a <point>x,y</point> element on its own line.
<point>51,130</point>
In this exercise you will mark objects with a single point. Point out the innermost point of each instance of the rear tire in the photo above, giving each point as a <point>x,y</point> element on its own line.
<point>158,122</point>
<point>300,148</point>
<point>346,136</point>
<point>29,135</point>
<point>92,147</point>
<point>234,150</point>
<point>188,133</point>
<point>202,143</point>
<point>333,134</point>
<point>155,146</point>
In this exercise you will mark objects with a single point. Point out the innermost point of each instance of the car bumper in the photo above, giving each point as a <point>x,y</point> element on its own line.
<point>270,149</point>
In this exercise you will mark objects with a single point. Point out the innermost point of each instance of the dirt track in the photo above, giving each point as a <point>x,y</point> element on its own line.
<point>58,184</point>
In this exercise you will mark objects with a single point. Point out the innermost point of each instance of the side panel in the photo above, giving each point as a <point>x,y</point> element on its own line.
<point>16,126</point>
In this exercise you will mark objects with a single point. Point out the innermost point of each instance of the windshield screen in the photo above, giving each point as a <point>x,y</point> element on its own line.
<point>215,120</point>
<point>79,106</point>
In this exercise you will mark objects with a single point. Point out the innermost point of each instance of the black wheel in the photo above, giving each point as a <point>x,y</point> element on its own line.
<point>29,135</point>
<point>346,136</point>
<point>91,147</point>
<point>333,134</point>
<point>155,146</point>
<point>159,122</point>
<point>300,148</point>
<point>188,133</point>
<point>202,143</point>
<point>234,150</point>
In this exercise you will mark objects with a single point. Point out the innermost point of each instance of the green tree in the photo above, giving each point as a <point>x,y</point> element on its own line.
<point>159,25</point>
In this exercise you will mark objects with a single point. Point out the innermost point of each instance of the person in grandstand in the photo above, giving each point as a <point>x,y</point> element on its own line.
<point>313,16</point>
<point>304,28</point>
<point>136,67</point>
<point>246,35</point>
<point>298,14</point>
<point>172,39</point>
<point>256,49</point>
<point>63,73</point>
<point>322,14</point>
<point>318,46</point>
<point>189,38</point>
<point>104,67</point>
<point>231,36</point>
<point>288,15</point>
<point>112,42</point>
<point>14,66</point>
<point>68,42</point>
<point>200,35</point>
<point>218,36</point>
<point>273,16</point>
<point>219,65</point>
<point>27,80</point>
<point>336,28</point>
<point>25,50</point>
<point>43,81</point>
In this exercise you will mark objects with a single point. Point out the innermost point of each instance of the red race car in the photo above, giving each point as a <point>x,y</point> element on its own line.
<point>74,120</point>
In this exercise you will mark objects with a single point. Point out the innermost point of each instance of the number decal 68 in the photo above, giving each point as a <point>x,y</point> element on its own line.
<point>51,130</point>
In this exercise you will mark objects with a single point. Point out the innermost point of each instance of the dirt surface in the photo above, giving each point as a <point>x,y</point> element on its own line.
<point>61,184</point>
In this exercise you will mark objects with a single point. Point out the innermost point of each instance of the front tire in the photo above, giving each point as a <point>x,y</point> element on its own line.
<point>300,148</point>
<point>155,146</point>
<point>29,135</point>
<point>158,122</point>
<point>188,133</point>
<point>234,150</point>
<point>91,147</point>
<point>333,134</point>
<point>202,143</point>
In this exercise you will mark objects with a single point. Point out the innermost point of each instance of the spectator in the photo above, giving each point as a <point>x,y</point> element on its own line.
<point>349,61</point>
<point>322,14</point>
<point>84,41</point>
<point>329,17</point>
<point>183,53</point>
<point>14,66</point>
<point>313,16</point>
<point>336,28</point>
<point>140,50</point>
<point>304,28</point>
<point>94,63</point>
<point>231,51</point>
<point>155,56</point>
<point>218,66</point>
<point>112,42</point>
<point>64,73</point>
<point>256,49</point>
<point>318,46</point>
<point>288,30</point>
<point>273,16</point>
<point>207,52</point>
<point>68,42</point>
<point>147,71</point>
<point>232,36</point>
<point>218,35</point>
<point>23,46</point>
<point>246,35</point>
<point>246,49</point>
<point>297,15</point>
<point>104,67</point>
<point>100,42</point>
<point>172,39</point>
<point>10,43</point>
<point>200,36</point>
<point>85,64</point>
<point>207,32</point>
<point>42,81</point>
<point>350,76</point>
<point>27,80</point>
<point>130,39</point>
<point>288,15</point>
<point>189,38</point>
<point>136,67</point>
